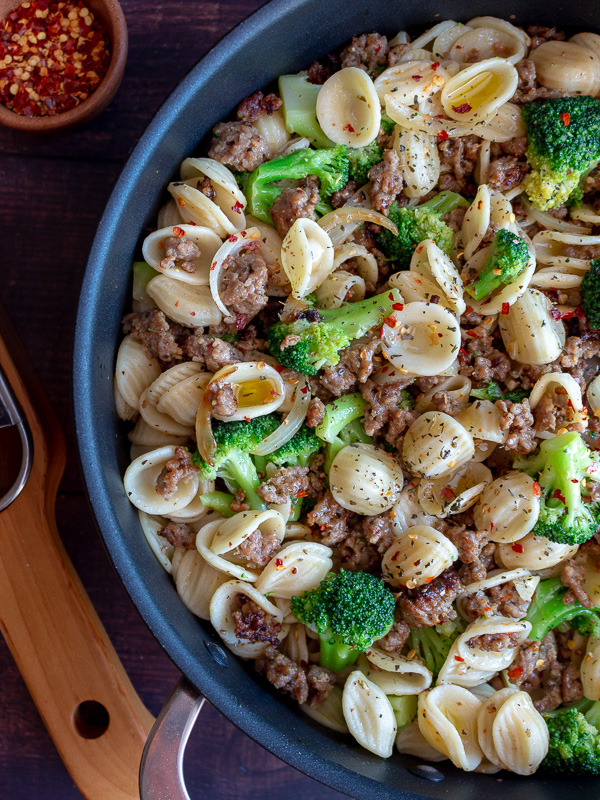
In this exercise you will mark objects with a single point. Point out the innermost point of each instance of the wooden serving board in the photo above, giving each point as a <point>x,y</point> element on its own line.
<point>98,723</point>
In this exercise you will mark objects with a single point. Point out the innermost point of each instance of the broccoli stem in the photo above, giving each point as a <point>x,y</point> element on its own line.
<point>219,501</point>
<point>299,109</point>
<point>242,470</point>
<point>352,433</point>
<point>593,714</point>
<point>405,709</point>
<point>355,319</point>
<point>487,282</point>
<point>444,202</point>
<point>336,655</point>
<point>562,472</point>
<point>338,414</point>
<point>547,609</point>
<point>142,275</point>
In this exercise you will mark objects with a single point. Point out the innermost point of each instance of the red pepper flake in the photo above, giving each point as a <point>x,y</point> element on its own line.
<point>463,352</point>
<point>428,580</point>
<point>233,239</point>
<point>304,389</point>
<point>278,562</point>
<point>442,136</point>
<point>505,308</point>
<point>389,321</point>
<point>558,495</point>
<point>395,556</point>
<point>463,108</point>
<point>213,266</point>
<point>566,118</point>
<point>447,493</point>
<point>179,232</point>
<point>458,658</point>
<point>348,128</point>
<point>53,56</point>
<point>574,480</point>
<point>181,201</point>
<point>294,570</point>
<point>240,322</point>
<point>391,295</point>
<point>537,489</point>
<point>398,307</point>
<point>435,65</point>
<point>555,313</point>
<point>417,562</point>
<point>238,208</point>
<point>247,419</point>
<point>301,493</point>
<point>472,334</point>
<point>518,548</point>
<point>416,77</point>
<point>381,332</point>
<point>515,673</point>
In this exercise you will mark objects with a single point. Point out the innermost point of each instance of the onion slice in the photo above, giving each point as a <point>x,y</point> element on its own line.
<point>290,425</point>
<point>204,435</point>
<point>552,223</point>
<point>232,245</point>
<point>353,214</point>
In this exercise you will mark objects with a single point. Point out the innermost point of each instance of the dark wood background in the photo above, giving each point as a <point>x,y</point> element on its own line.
<point>52,193</point>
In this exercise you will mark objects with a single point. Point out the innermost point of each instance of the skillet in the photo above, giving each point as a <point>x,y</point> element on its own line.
<point>283,36</point>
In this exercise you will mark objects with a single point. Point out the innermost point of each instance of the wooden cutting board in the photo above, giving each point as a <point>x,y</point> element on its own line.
<point>98,723</point>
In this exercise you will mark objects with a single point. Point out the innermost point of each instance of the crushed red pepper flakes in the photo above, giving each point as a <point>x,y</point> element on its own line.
<point>348,128</point>
<point>463,108</point>
<point>447,493</point>
<point>52,57</point>
<point>566,118</point>
<point>558,495</point>
<point>505,308</point>
<point>518,548</point>
<point>442,136</point>
<point>398,307</point>
<point>435,65</point>
<point>515,673</point>
<point>179,232</point>
<point>537,489</point>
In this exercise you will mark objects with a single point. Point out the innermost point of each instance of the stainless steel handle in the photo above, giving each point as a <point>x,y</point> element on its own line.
<point>161,768</point>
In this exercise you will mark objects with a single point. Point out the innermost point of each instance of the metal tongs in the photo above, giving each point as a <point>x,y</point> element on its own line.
<point>12,416</point>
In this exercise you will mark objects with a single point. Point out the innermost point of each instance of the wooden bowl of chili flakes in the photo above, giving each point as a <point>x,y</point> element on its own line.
<point>61,61</point>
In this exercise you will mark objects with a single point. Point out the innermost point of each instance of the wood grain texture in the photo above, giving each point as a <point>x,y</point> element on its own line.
<point>52,193</point>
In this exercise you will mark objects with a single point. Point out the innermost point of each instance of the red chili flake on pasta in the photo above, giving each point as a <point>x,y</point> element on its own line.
<point>463,108</point>
<point>417,562</point>
<point>238,208</point>
<point>518,548</point>
<point>304,389</point>
<point>458,658</point>
<point>181,201</point>
<point>555,313</point>
<point>447,493</point>
<point>505,308</point>
<point>537,489</point>
<point>442,136</point>
<point>278,562</point>
<point>301,493</point>
<point>472,334</point>
<point>381,332</point>
<point>398,307</point>
<point>179,232</point>
<point>428,580</point>
<point>247,419</point>
<point>435,65</point>
<point>233,239</point>
<point>566,118</point>
<point>416,77</point>
<point>349,128</point>
<point>391,295</point>
<point>558,495</point>
<point>294,570</point>
<point>463,352</point>
<point>515,673</point>
<point>390,321</point>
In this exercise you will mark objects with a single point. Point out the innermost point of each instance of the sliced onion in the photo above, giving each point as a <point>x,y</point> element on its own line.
<point>353,214</point>
<point>204,435</point>
<point>232,245</point>
<point>291,424</point>
<point>550,222</point>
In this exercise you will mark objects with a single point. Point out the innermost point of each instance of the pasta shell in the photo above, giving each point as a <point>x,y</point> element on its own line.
<point>225,215</point>
<point>411,81</point>
<point>456,492</point>
<point>488,43</point>
<point>338,288</point>
<point>145,435</point>
<point>417,557</point>
<point>535,553</point>
<point>196,582</point>
<point>457,387</point>
<point>365,479</point>
<point>508,508</point>
<point>364,263</point>
<point>191,306</point>
<point>158,544</point>
<point>424,339</point>
<point>436,444</point>
<point>135,371</point>
<point>204,539</point>
<point>550,249</point>
<point>222,606</point>
<point>330,712</point>
<point>124,410</point>
<point>170,378</point>
<point>298,567</point>
<point>348,108</point>
<point>258,388</point>
<point>431,262</point>
<point>560,64</point>
<point>525,585</point>
<point>162,422</point>
<point>482,419</point>
<point>234,531</point>
<point>207,241</point>
<point>140,484</point>
<point>529,332</point>
<point>590,669</point>
<point>369,715</point>
<point>394,673</point>
<point>554,384</point>
<point>411,741</point>
<point>448,720</point>
<point>272,129</point>
<point>306,256</point>
<point>408,511</point>
<point>478,91</point>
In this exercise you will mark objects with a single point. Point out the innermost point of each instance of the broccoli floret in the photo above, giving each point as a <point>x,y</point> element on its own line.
<point>547,610</point>
<point>341,425</point>
<point>492,393</point>
<point>416,224</point>
<point>574,747</point>
<point>234,442</point>
<point>507,260</point>
<point>362,159</point>
<point>319,343</point>
<point>563,143</point>
<point>387,123</point>
<point>349,611</point>
<point>590,291</point>
<point>559,466</point>
<point>330,165</point>
<point>433,644</point>
<point>298,450</point>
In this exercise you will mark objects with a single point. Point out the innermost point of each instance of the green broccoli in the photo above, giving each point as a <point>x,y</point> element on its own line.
<point>320,342</point>
<point>329,164</point>
<point>590,291</point>
<point>563,143</point>
<point>387,123</point>
<point>547,610</point>
<point>507,260</point>
<point>492,393</point>
<point>299,108</point>
<point>341,425</point>
<point>416,223</point>
<point>362,159</point>
<point>219,501</point>
<point>433,644</point>
<point>574,747</point>
<point>405,709</point>
<point>560,466</point>
<point>349,611</point>
<point>234,442</point>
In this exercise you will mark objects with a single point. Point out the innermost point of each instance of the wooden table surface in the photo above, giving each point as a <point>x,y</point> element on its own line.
<point>52,193</point>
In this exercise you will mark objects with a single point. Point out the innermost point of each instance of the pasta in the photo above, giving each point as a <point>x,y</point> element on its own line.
<point>376,488</point>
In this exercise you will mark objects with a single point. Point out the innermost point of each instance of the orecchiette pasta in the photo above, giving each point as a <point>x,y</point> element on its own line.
<point>140,482</point>
<point>479,90</point>
<point>192,306</point>
<point>197,267</point>
<point>524,582</point>
<point>436,444</point>
<point>456,492</point>
<point>257,386</point>
<point>569,64</point>
<point>330,713</point>
<point>411,82</point>
<point>530,333</point>
<point>348,108</point>
<point>411,741</point>
<point>417,557</point>
<point>151,526</point>
<point>394,674</point>
<point>196,582</point>
<point>566,393</point>
<point>590,669</point>
<point>365,479</point>
<point>298,567</point>
<point>135,371</point>
<point>535,553</point>
<point>306,256</point>
<point>508,508</point>
<point>448,721</point>
<point>432,263</point>
<point>369,715</point>
<point>482,420</point>
<point>419,160</point>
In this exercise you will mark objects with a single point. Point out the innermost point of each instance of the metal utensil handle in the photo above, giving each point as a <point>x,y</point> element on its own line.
<point>161,768</point>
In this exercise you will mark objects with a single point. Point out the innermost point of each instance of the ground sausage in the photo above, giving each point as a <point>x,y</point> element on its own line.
<point>506,172</point>
<point>179,469</point>
<point>224,402</point>
<point>158,335</point>
<point>517,419</point>
<point>180,253</point>
<point>330,519</point>
<point>239,146</point>
<point>254,624</point>
<point>293,204</point>
<point>258,548</point>
<point>320,683</point>
<point>257,105</point>
<point>286,483</point>
<point>432,604</point>
<point>244,282</point>
<point>315,413</point>
<point>178,534</point>
<point>395,638</point>
<point>458,157</point>
<point>368,51</point>
<point>283,673</point>
<point>572,575</point>
<point>386,181</point>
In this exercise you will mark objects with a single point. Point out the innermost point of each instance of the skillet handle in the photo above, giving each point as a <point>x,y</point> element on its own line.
<point>161,768</point>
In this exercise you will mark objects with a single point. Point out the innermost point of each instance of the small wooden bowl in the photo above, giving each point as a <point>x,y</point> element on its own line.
<point>110,13</point>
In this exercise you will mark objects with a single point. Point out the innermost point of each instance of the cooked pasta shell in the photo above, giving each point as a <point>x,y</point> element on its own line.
<point>525,585</point>
<point>272,129</point>
<point>555,383</point>
<point>431,262</point>
<point>424,339</point>
<point>135,370</point>
<point>432,34</point>
<point>417,557</point>
<point>488,43</point>
<point>536,553</point>
<point>140,484</point>
<point>124,410</point>
<point>258,388</point>
<point>560,278</point>
<point>144,435</point>
<point>181,402</point>
<point>227,209</point>
<point>593,395</point>
<point>482,419</point>
<point>408,511</point>
<point>457,387</point>
<point>415,288</point>
<point>204,539</point>
<point>550,248</point>
<point>223,604</point>
<point>162,422</point>
<point>394,674</point>
<point>478,91</point>
<point>508,508</point>
<point>448,720</point>
<point>330,712</point>
<point>549,222</point>
<point>207,241</point>
<point>232,532</point>
<point>501,25</point>
<point>191,306</point>
<point>411,82</point>
<point>365,479</point>
<point>435,444</point>
<point>590,669</point>
<point>158,544</point>
<point>196,582</point>
<point>296,643</point>
<point>363,262</point>
<point>170,378</point>
<point>338,288</point>
<point>476,221</point>
<point>455,492</point>
<point>369,715</point>
<point>529,332</point>
<point>445,39</point>
<point>411,741</point>
<point>508,295</point>
<point>306,256</point>
<point>560,64</point>
<point>419,161</point>
<point>348,108</point>
<point>168,215</point>
<point>298,567</point>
